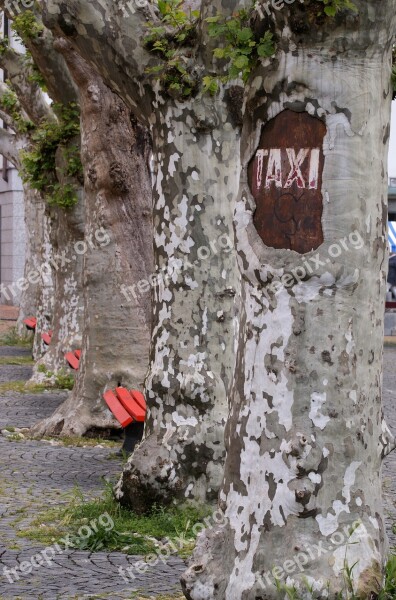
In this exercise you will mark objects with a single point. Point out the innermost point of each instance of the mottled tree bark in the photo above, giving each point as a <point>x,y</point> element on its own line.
<point>192,359</point>
<point>45,305</point>
<point>31,293</point>
<point>118,233</point>
<point>196,164</point>
<point>306,435</point>
<point>65,268</point>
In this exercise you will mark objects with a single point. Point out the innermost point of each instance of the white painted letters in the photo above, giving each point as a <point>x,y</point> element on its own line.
<point>297,164</point>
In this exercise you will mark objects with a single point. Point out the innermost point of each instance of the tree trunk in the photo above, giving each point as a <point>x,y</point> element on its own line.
<point>118,218</point>
<point>31,294</point>
<point>196,163</point>
<point>306,435</point>
<point>65,266</point>
<point>45,305</point>
<point>192,358</point>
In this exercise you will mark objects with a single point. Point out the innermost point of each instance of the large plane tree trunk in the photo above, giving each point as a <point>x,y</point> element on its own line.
<point>118,229</point>
<point>306,435</point>
<point>196,284</point>
<point>192,360</point>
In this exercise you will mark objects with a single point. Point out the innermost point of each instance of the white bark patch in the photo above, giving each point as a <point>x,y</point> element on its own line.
<point>336,124</point>
<point>349,479</point>
<point>329,524</point>
<point>315,414</point>
<point>278,325</point>
<point>172,163</point>
<point>315,477</point>
<point>254,468</point>
<point>307,291</point>
<point>180,421</point>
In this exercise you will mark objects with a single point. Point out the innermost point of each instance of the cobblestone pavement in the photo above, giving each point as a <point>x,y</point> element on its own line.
<point>389,466</point>
<point>36,475</point>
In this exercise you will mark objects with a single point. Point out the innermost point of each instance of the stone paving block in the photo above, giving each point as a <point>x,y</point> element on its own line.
<point>11,351</point>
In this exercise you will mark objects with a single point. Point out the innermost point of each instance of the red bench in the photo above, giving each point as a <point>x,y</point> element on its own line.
<point>129,408</point>
<point>47,337</point>
<point>31,323</point>
<point>73,358</point>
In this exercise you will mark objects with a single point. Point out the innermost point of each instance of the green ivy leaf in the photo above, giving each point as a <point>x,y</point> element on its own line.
<point>330,11</point>
<point>266,46</point>
<point>241,61</point>
<point>162,7</point>
<point>245,34</point>
<point>219,53</point>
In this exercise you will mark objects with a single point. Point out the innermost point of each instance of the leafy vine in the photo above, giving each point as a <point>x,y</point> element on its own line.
<point>39,165</point>
<point>239,48</point>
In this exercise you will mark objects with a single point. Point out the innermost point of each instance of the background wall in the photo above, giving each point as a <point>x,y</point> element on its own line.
<point>12,235</point>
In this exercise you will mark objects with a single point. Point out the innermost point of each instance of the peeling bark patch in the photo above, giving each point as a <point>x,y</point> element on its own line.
<point>285,179</point>
<point>316,416</point>
<point>329,524</point>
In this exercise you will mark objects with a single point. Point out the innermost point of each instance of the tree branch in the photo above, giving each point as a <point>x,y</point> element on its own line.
<point>11,146</point>
<point>29,93</point>
<point>111,42</point>
<point>7,114</point>
<point>60,85</point>
<point>80,70</point>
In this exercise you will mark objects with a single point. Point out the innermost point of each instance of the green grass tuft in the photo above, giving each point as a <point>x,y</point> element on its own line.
<point>23,387</point>
<point>132,534</point>
<point>16,360</point>
<point>12,338</point>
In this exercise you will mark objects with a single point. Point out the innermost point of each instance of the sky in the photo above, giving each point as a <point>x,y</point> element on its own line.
<point>392,147</point>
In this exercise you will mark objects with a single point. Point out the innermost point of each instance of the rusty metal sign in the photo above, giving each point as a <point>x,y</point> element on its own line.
<point>285,178</point>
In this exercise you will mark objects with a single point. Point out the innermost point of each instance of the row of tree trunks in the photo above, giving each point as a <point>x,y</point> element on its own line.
<point>193,357</point>
<point>306,437</point>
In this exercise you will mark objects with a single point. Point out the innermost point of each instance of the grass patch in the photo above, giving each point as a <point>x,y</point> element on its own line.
<point>389,590</point>
<point>178,596</point>
<point>12,338</point>
<point>132,534</point>
<point>16,360</point>
<point>61,380</point>
<point>78,442</point>
<point>22,387</point>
